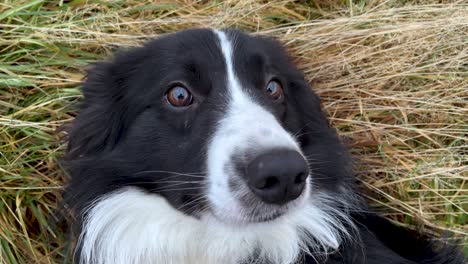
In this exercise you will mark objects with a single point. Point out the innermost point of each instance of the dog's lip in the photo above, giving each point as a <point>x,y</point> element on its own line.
<point>267,218</point>
<point>252,219</point>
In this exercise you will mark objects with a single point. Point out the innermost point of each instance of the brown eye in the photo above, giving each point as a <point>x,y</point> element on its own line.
<point>179,96</point>
<point>274,90</point>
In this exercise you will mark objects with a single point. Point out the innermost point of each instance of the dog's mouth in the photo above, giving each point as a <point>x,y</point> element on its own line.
<point>244,207</point>
<point>249,219</point>
<point>269,213</point>
<point>266,218</point>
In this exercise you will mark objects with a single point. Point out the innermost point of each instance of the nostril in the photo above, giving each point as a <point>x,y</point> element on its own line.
<point>271,182</point>
<point>268,183</point>
<point>300,178</point>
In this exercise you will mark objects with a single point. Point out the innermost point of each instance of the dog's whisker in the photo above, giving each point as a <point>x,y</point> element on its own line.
<point>165,189</point>
<point>165,181</point>
<point>314,162</point>
<point>298,131</point>
<point>193,174</point>
<point>193,202</point>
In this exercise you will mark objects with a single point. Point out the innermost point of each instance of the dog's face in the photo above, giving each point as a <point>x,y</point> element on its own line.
<point>219,123</point>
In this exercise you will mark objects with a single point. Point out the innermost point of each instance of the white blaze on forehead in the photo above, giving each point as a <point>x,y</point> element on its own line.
<point>246,126</point>
<point>233,84</point>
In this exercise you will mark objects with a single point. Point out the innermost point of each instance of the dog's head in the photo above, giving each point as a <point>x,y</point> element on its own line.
<point>221,125</point>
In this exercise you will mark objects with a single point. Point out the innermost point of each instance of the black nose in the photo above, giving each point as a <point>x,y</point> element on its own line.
<point>277,177</point>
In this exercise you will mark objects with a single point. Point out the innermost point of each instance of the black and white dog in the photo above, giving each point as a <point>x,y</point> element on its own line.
<point>208,146</point>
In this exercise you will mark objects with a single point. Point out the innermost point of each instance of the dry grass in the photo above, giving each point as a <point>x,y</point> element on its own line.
<point>393,77</point>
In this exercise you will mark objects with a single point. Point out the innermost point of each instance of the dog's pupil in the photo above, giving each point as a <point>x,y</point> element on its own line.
<point>274,89</point>
<point>179,96</point>
<point>181,93</point>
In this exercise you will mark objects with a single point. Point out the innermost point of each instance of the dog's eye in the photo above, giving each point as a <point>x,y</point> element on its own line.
<point>274,90</point>
<point>179,96</point>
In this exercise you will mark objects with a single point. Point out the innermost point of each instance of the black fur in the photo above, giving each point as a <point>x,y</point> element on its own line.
<point>127,135</point>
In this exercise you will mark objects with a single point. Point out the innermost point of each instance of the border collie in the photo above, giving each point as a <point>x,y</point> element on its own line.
<point>208,146</point>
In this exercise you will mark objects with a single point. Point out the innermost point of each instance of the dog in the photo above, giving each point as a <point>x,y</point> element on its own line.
<point>209,146</point>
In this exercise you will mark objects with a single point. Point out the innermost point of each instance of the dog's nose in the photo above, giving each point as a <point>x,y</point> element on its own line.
<point>277,177</point>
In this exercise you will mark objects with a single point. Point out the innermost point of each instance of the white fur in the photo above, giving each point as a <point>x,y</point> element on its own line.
<point>134,227</point>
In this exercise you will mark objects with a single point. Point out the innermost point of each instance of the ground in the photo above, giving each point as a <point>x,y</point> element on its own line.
<point>392,75</point>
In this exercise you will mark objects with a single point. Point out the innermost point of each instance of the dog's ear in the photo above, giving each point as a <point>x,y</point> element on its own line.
<point>103,113</point>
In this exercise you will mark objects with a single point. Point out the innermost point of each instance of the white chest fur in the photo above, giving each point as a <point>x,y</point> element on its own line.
<point>130,227</point>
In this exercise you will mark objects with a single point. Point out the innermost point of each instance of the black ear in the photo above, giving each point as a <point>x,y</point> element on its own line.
<point>97,125</point>
<point>103,113</point>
